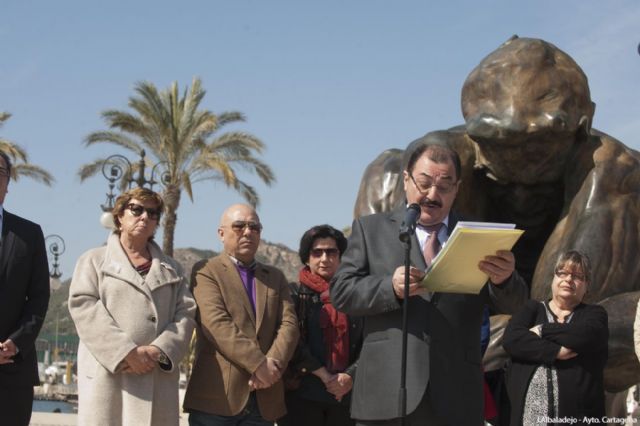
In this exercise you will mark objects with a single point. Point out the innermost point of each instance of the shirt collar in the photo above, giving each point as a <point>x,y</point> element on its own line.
<point>251,266</point>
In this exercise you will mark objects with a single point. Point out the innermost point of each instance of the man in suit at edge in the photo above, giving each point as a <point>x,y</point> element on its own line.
<point>444,375</point>
<point>24,299</point>
<point>247,331</point>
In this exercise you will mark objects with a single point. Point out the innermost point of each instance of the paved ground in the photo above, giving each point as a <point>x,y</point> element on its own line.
<point>39,418</point>
<point>61,419</point>
<point>58,419</point>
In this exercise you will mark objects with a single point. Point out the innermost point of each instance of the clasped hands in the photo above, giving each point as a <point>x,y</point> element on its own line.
<point>266,375</point>
<point>338,384</point>
<point>141,360</point>
<point>498,267</point>
<point>8,349</point>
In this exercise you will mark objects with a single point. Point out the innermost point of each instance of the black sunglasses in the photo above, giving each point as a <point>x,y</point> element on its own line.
<point>137,210</point>
<point>318,252</point>
<point>240,225</point>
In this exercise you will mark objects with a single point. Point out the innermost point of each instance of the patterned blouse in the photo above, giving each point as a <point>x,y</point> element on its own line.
<point>542,396</point>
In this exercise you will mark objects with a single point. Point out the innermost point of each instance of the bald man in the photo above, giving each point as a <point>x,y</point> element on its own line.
<point>247,330</point>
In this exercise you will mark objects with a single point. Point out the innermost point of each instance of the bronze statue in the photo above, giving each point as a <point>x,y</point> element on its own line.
<point>530,157</point>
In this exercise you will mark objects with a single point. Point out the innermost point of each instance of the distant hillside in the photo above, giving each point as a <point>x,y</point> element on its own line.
<point>274,254</point>
<point>277,255</point>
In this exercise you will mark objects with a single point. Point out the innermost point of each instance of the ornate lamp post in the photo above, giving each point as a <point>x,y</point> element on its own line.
<point>55,246</point>
<point>118,168</point>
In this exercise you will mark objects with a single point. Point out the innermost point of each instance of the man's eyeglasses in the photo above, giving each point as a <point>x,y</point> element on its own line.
<point>240,225</point>
<point>426,182</point>
<point>318,252</point>
<point>137,210</point>
<point>562,274</point>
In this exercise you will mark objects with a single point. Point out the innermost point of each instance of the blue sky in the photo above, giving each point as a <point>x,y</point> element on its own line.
<point>326,85</point>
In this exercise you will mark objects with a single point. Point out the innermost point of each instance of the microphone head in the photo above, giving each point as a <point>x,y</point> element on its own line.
<point>408,226</point>
<point>415,207</point>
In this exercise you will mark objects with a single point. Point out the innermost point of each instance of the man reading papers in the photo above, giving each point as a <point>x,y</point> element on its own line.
<point>444,376</point>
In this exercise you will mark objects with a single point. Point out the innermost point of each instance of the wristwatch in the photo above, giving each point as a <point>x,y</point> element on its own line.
<point>163,358</point>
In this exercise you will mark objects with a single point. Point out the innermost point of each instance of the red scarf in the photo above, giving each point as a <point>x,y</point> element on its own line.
<point>335,325</point>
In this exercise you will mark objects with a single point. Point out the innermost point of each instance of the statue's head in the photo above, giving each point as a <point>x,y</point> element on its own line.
<point>526,105</point>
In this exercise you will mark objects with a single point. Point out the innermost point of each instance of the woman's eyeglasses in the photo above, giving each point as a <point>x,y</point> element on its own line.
<point>318,252</point>
<point>137,210</point>
<point>240,225</point>
<point>563,275</point>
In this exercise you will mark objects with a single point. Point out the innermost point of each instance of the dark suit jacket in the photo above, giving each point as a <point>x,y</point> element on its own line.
<point>444,330</point>
<point>24,296</point>
<point>580,379</point>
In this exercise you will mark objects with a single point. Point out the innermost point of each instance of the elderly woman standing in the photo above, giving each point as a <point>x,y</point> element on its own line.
<point>558,350</point>
<point>135,316</point>
<point>330,341</point>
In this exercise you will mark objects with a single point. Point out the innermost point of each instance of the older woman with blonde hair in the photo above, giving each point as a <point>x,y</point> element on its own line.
<point>558,349</point>
<point>135,316</point>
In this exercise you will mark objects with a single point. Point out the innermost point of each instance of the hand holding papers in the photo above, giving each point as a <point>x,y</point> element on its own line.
<point>455,269</point>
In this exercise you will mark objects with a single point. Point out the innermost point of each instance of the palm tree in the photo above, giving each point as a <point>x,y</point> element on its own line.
<point>21,166</point>
<point>183,139</point>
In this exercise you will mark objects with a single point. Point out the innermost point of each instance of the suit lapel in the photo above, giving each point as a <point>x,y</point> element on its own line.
<point>231,278</point>
<point>453,220</point>
<point>415,255</point>
<point>262,275</point>
<point>8,238</point>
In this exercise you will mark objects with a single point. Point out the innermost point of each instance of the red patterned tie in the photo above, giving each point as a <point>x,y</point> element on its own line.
<point>432,245</point>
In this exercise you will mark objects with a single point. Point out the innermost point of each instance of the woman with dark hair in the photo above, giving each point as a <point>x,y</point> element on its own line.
<point>135,316</point>
<point>330,341</point>
<point>558,350</point>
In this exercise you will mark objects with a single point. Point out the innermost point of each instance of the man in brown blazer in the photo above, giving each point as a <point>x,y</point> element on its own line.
<point>247,330</point>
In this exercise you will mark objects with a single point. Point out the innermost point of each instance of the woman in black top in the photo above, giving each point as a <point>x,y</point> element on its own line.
<point>558,350</point>
<point>330,341</point>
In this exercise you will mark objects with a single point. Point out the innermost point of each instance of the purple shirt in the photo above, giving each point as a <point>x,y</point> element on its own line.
<point>247,274</point>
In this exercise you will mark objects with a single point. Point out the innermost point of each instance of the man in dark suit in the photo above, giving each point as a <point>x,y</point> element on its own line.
<point>24,298</point>
<point>444,374</point>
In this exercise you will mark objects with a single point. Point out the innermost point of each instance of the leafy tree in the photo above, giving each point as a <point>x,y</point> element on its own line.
<point>184,140</point>
<point>20,162</point>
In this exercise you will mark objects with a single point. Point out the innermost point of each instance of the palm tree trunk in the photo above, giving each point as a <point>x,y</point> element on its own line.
<point>172,201</point>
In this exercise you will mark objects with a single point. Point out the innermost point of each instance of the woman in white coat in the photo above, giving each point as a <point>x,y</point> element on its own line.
<point>135,315</point>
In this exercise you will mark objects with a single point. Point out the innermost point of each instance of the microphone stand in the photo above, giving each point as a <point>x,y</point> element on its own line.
<point>407,229</point>
<point>405,317</point>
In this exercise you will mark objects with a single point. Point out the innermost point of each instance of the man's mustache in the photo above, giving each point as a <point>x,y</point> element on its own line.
<point>430,203</point>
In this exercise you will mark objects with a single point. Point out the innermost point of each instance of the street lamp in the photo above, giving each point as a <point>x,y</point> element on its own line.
<point>55,246</point>
<point>118,168</point>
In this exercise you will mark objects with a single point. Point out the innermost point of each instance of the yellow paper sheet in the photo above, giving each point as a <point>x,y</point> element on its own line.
<point>455,269</point>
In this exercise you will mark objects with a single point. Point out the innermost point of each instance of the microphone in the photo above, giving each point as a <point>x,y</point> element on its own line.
<point>408,226</point>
